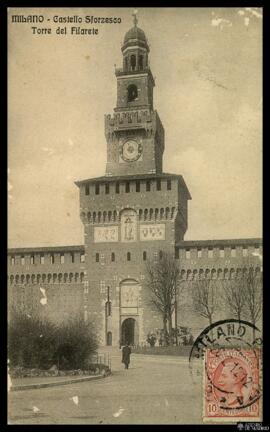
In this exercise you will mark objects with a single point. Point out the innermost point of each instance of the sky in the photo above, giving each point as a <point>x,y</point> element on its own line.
<point>207,64</point>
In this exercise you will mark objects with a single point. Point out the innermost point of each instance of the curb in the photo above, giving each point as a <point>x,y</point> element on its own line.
<point>55,383</point>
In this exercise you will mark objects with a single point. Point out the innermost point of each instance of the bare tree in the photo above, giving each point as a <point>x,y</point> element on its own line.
<point>163,282</point>
<point>234,294</point>
<point>254,295</point>
<point>205,298</point>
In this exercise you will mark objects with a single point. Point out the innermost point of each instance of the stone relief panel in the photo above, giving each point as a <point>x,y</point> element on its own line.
<point>129,296</point>
<point>152,232</point>
<point>128,225</point>
<point>106,234</point>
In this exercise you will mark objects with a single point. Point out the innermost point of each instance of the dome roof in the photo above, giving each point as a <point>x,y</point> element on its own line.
<point>135,33</point>
<point>135,37</point>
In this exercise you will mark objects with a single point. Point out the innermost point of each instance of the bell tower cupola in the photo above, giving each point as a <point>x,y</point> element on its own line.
<point>135,49</point>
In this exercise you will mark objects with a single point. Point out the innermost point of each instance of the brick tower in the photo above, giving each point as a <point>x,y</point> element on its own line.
<point>135,211</point>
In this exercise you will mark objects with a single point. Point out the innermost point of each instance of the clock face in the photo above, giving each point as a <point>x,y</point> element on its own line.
<point>131,150</point>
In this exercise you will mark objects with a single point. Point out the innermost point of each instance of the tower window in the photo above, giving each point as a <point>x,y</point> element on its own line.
<point>32,260</point>
<point>233,252</point>
<point>12,260</point>
<point>245,252</point>
<point>62,258</point>
<point>133,61</point>
<point>132,93</point>
<point>187,254</point>
<point>128,256</point>
<point>117,188</point>
<point>169,185</point>
<point>97,257</point>
<point>87,189</point>
<point>221,253</point>
<point>97,189</point>
<point>113,257</point>
<point>52,258</point>
<point>72,257</point>
<point>42,259</point>
<point>126,63</point>
<point>148,186</point>
<point>22,260</point>
<point>144,256</point>
<point>127,187</point>
<point>107,188</point>
<point>199,253</point>
<point>160,255</point>
<point>158,185</point>
<point>210,253</point>
<point>140,62</point>
<point>138,186</point>
<point>82,258</point>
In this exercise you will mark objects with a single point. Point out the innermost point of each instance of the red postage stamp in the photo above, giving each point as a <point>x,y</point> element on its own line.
<point>232,390</point>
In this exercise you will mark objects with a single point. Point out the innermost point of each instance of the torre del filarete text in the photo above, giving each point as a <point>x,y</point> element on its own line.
<point>135,212</point>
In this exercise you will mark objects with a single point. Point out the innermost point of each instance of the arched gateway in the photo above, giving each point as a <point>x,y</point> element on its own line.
<point>129,332</point>
<point>129,312</point>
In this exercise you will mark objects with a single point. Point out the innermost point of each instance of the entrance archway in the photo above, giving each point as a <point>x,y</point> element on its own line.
<point>128,331</point>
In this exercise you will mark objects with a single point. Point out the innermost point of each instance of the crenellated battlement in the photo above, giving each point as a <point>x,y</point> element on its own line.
<point>133,119</point>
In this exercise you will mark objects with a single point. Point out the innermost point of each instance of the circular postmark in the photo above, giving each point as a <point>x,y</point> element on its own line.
<point>229,333</point>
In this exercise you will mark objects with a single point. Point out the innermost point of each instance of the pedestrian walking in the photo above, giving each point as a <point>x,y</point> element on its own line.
<point>126,351</point>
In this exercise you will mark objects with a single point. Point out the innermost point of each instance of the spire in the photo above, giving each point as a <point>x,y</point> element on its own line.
<point>135,19</point>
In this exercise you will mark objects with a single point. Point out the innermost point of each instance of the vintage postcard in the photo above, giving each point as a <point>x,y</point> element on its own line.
<point>134,209</point>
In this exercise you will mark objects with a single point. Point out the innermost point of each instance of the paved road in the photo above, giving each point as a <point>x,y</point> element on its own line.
<point>154,390</point>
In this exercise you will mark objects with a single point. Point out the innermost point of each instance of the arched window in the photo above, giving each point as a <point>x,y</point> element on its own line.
<point>133,61</point>
<point>109,338</point>
<point>108,307</point>
<point>126,63</point>
<point>128,256</point>
<point>144,255</point>
<point>140,62</point>
<point>160,255</point>
<point>132,93</point>
<point>113,257</point>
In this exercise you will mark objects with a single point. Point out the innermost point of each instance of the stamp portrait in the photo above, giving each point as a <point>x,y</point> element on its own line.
<point>232,384</point>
